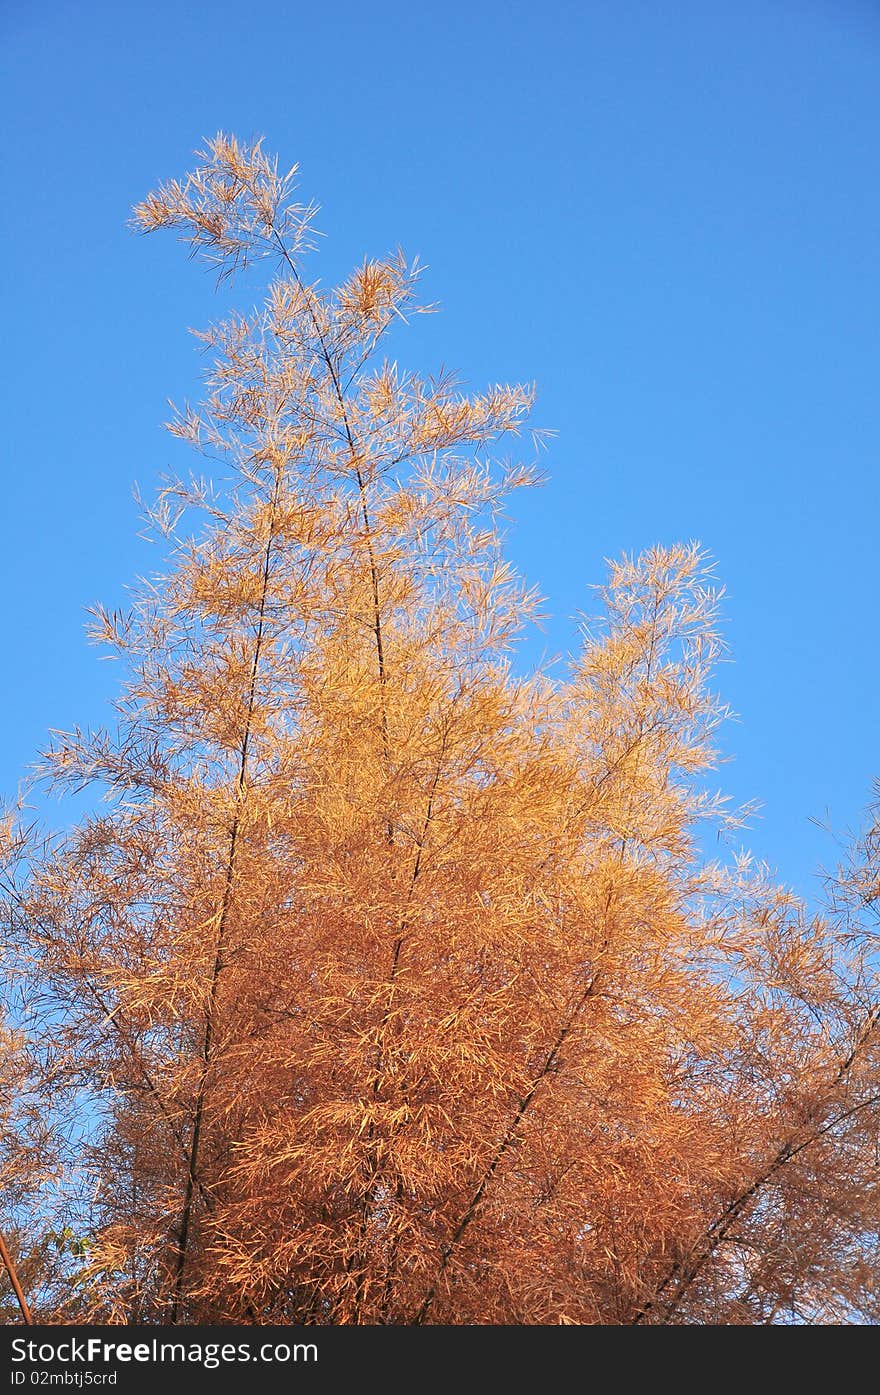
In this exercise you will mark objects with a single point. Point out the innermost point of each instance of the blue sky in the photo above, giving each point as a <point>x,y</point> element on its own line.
<point>665,215</point>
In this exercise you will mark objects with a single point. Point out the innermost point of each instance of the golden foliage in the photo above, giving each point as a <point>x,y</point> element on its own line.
<point>399,988</point>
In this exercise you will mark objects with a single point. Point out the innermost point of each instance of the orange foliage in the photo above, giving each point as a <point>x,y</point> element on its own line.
<point>400,986</point>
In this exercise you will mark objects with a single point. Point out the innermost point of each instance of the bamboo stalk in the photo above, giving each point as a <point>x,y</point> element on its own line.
<point>687,1273</point>
<point>509,1137</point>
<point>9,1266</point>
<point>192,1180</point>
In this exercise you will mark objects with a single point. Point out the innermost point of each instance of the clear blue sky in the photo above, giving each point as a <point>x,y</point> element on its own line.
<point>666,215</point>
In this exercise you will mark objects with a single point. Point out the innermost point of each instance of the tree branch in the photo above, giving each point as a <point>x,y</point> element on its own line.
<point>509,1137</point>
<point>9,1266</point>
<point>192,1180</point>
<point>685,1273</point>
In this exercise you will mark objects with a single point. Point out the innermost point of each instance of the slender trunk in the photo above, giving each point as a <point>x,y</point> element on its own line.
<point>192,1180</point>
<point>356,458</point>
<point>362,497</point>
<point>506,1142</point>
<point>684,1273</point>
<point>369,1193</point>
<point>9,1266</point>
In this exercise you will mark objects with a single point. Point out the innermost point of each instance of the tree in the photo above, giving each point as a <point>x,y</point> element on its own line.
<point>34,1259</point>
<point>392,987</point>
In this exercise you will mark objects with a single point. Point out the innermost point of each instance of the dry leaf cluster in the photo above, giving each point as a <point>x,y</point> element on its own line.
<point>384,985</point>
